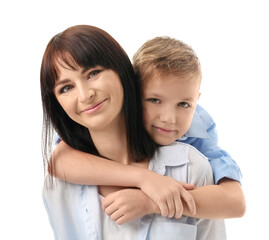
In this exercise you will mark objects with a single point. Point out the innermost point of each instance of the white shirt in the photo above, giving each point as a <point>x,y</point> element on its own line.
<point>74,210</point>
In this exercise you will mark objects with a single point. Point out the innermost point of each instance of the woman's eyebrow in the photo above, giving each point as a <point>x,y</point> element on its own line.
<point>60,82</point>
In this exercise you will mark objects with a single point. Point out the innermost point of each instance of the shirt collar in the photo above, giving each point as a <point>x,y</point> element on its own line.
<point>172,155</point>
<point>197,128</point>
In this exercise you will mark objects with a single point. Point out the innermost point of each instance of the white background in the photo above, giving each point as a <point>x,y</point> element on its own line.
<point>231,40</point>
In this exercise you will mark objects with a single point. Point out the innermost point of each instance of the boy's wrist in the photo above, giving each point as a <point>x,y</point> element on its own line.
<point>142,175</point>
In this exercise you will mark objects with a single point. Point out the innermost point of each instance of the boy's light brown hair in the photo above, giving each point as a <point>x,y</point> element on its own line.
<point>163,56</point>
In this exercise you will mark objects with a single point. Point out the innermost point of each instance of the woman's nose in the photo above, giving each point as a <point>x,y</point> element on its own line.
<point>86,95</point>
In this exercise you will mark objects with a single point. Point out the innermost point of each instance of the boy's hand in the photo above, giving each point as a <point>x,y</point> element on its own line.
<point>168,193</point>
<point>128,204</point>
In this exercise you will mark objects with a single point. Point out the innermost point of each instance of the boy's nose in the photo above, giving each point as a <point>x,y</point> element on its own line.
<point>168,116</point>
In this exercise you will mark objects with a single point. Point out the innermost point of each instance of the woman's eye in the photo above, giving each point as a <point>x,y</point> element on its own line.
<point>153,100</point>
<point>184,104</point>
<point>93,73</point>
<point>66,89</point>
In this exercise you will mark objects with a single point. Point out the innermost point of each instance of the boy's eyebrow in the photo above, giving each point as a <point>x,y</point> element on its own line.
<point>187,99</point>
<point>184,99</point>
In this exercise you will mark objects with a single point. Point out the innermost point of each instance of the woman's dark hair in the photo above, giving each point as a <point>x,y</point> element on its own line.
<point>87,46</point>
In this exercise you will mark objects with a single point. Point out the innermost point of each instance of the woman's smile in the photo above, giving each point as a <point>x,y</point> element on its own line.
<point>95,108</point>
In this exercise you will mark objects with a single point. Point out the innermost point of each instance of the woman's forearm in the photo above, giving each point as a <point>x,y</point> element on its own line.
<point>222,201</point>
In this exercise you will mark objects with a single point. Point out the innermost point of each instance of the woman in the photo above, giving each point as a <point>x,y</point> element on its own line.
<point>91,98</point>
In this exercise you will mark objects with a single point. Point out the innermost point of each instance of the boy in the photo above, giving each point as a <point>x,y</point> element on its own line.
<point>171,75</point>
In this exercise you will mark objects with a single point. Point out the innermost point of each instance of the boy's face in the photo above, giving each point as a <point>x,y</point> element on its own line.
<point>169,104</point>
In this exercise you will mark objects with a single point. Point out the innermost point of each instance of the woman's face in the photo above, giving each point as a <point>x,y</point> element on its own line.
<point>91,97</point>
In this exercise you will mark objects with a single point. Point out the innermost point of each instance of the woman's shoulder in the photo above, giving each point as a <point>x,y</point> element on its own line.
<point>199,168</point>
<point>193,153</point>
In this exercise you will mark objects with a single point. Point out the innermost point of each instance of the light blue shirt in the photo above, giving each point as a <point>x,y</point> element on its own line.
<point>74,210</point>
<point>203,136</point>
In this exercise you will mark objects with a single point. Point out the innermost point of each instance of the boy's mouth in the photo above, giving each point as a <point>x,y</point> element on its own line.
<point>164,130</point>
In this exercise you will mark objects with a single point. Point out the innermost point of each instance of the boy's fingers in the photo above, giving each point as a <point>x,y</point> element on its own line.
<point>179,207</point>
<point>188,198</point>
<point>110,209</point>
<point>122,220</point>
<point>163,208</point>
<point>106,201</point>
<point>171,208</point>
<point>187,186</point>
<point>116,215</point>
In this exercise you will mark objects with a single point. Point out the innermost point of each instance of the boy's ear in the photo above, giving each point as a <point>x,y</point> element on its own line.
<point>199,94</point>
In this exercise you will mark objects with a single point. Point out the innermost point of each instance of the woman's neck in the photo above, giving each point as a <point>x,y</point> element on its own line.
<point>111,142</point>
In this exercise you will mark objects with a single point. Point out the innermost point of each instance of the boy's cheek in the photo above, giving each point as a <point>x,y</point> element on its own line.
<point>148,115</point>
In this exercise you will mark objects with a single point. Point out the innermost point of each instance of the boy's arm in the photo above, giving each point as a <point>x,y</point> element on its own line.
<point>212,202</point>
<point>206,141</point>
<point>226,199</point>
<point>78,167</point>
<point>81,168</point>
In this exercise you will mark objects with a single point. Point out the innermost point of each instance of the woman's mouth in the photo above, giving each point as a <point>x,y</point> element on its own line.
<point>94,108</point>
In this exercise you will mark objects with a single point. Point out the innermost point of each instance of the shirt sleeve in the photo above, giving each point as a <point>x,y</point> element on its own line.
<point>57,140</point>
<point>221,162</point>
<point>62,201</point>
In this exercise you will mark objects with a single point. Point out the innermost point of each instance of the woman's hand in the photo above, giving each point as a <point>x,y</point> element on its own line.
<point>168,194</point>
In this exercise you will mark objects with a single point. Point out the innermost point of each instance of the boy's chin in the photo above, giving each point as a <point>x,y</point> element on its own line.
<point>164,142</point>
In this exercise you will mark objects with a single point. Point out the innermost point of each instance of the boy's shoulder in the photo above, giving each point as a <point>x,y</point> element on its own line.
<point>201,122</point>
<point>202,114</point>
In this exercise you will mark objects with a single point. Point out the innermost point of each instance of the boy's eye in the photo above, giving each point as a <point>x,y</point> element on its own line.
<point>66,89</point>
<point>153,100</point>
<point>184,104</point>
<point>93,73</point>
